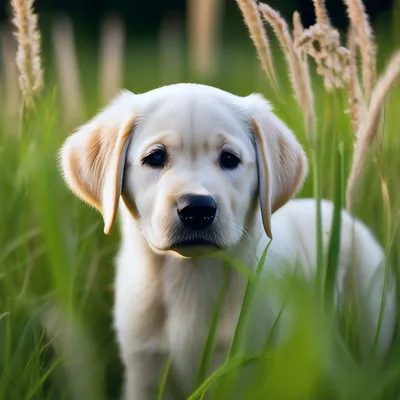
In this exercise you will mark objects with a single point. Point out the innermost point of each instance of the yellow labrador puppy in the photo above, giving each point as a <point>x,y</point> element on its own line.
<point>195,170</point>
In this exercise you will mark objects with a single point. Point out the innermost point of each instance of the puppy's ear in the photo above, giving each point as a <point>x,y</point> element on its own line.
<point>93,158</point>
<point>281,162</point>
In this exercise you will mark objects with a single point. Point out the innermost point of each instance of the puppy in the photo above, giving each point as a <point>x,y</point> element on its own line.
<point>195,171</point>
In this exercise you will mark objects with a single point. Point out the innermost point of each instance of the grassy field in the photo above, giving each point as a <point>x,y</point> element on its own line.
<point>56,266</point>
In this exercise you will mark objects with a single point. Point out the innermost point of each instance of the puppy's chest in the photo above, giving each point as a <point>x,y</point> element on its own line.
<point>190,297</point>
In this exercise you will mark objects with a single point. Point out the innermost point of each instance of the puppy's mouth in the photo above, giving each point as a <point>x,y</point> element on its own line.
<point>195,247</point>
<point>194,242</point>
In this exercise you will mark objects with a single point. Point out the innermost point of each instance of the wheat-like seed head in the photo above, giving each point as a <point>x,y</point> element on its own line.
<point>322,43</point>
<point>298,28</point>
<point>254,23</point>
<point>321,13</point>
<point>28,54</point>
<point>368,130</point>
<point>359,20</point>
<point>357,104</point>
<point>298,71</point>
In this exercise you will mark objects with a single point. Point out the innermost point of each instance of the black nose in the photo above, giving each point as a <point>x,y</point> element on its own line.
<point>196,211</point>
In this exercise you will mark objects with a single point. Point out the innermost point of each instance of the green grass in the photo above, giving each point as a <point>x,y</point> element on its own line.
<point>56,266</point>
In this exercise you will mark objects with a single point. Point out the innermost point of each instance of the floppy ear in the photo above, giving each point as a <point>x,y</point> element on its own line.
<point>281,162</point>
<point>93,158</point>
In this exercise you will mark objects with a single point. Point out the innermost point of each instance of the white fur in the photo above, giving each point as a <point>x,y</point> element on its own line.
<point>164,300</point>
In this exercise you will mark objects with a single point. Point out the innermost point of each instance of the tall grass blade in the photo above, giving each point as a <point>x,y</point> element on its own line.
<point>223,370</point>
<point>237,342</point>
<point>248,296</point>
<point>167,369</point>
<point>332,261</point>
<point>209,343</point>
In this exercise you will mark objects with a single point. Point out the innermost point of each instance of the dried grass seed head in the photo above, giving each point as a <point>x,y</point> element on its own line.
<point>320,12</point>
<point>28,57</point>
<point>298,70</point>
<point>322,43</point>
<point>252,18</point>
<point>365,39</point>
<point>298,30</point>
<point>368,129</point>
<point>358,107</point>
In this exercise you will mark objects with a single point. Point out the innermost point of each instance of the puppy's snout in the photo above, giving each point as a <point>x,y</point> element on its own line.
<point>196,211</point>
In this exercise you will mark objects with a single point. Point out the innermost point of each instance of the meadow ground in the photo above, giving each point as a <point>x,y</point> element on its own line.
<point>56,265</point>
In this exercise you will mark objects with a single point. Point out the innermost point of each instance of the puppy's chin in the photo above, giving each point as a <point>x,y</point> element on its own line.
<point>191,250</point>
<point>189,244</point>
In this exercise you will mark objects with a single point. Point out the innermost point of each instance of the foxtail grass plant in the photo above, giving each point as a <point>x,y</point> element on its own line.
<point>28,54</point>
<point>365,40</point>
<point>252,18</point>
<point>338,67</point>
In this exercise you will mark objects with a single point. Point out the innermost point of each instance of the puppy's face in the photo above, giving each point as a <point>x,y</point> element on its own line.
<point>191,174</point>
<point>188,160</point>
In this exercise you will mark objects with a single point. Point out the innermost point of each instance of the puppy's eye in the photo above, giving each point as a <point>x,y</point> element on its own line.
<point>228,160</point>
<point>156,159</point>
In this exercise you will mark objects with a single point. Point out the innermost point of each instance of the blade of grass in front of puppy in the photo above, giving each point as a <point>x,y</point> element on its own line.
<point>226,385</point>
<point>317,155</point>
<point>161,389</point>
<point>382,309</point>
<point>243,270</point>
<point>387,244</point>
<point>248,295</point>
<point>334,241</point>
<point>209,343</point>
<point>223,370</point>
<point>235,264</point>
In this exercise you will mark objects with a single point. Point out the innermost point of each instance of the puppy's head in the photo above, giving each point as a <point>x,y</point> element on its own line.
<point>188,161</point>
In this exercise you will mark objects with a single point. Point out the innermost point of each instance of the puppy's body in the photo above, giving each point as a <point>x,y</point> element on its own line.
<point>164,304</point>
<point>196,170</point>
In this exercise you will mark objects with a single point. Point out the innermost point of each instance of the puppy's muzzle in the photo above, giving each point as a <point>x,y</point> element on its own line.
<point>196,211</point>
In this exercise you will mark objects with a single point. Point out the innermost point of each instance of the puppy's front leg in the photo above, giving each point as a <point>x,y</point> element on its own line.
<point>143,376</point>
